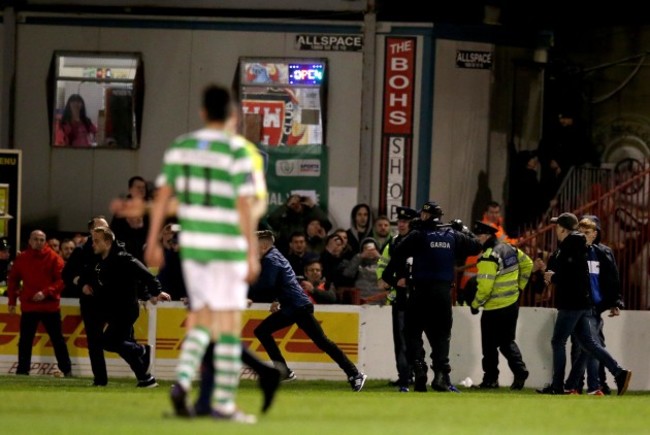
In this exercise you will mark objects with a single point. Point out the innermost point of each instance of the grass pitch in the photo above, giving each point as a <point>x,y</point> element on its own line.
<point>45,405</point>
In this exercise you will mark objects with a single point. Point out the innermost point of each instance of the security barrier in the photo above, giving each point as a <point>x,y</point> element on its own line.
<point>364,332</point>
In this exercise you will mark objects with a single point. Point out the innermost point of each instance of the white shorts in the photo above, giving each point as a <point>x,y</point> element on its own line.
<point>218,285</point>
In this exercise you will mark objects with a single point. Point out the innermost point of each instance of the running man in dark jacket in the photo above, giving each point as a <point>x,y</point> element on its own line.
<point>292,306</point>
<point>118,281</point>
<point>81,263</point>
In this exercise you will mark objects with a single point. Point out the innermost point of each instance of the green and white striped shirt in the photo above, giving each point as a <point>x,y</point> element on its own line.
<point>208,170</point>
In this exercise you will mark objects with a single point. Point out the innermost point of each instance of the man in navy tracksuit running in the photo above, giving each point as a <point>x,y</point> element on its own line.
<point>291,305</point>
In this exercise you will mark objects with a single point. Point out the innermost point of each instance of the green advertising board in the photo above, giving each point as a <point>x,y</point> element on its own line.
<point>301,169</point>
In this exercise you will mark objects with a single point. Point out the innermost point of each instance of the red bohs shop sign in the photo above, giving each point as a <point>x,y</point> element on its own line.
<point>397,128</point>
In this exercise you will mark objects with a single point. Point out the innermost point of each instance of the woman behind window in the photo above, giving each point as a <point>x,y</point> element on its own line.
<point>75,129</point>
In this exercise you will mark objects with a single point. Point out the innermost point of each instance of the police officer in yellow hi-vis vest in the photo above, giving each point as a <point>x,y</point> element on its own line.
<point>503,270</point>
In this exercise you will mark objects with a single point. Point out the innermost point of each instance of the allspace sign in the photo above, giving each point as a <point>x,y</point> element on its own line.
<point>473,59</point>
<point>329,42</point>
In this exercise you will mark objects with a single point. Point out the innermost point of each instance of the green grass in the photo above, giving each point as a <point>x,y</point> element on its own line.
<point>45,405</point>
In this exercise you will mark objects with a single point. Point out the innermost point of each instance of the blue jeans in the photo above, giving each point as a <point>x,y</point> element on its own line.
<point>582,324</point>
<point>581,360</point>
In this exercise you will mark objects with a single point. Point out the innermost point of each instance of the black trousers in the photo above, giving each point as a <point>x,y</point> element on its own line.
<point>28,324</point>
<point>404,370</point>
<point>119,337</point>
<point>94,326</point>
<point>429,311</point>
<point>304,318</point>
<point>498,334</point>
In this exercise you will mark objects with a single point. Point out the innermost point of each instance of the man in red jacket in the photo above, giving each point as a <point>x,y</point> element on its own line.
<point>39,268</point>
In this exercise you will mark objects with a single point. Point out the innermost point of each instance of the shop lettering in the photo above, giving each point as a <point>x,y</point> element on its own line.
<point>395,194</point>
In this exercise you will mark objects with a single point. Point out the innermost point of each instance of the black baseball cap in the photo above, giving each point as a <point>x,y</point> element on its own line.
<point>566,220</point>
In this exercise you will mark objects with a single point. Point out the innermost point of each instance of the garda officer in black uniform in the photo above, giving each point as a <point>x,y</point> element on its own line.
<point>397,297</point>
<point>435,248</point>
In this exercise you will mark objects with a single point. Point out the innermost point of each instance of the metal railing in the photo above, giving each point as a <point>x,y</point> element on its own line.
<point>620,197</point>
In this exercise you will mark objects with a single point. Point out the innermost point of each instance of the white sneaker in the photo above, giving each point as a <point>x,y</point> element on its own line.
<point>237,417</point>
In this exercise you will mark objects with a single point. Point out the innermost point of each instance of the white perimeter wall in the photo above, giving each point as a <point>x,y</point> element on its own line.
<point>626,336</point>
<point>627,339</point>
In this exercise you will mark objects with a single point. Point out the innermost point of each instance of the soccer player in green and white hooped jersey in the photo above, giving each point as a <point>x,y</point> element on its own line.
<point>210,173</point>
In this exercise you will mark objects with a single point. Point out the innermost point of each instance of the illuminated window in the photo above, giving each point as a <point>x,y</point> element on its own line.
<point>96,100</point>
